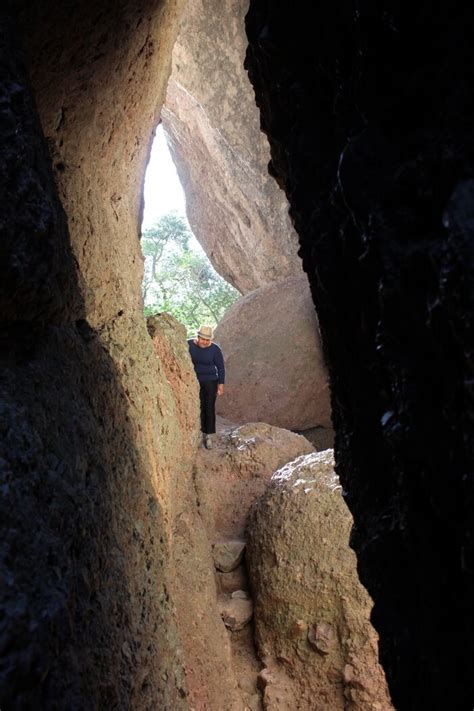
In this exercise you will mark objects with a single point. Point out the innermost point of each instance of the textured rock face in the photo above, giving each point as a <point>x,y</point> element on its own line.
<point>312,614</point>
<point>234,207</point>
<point>233,475</point>
<point>274,365</point>
<point>371,135</point>
<point>95,448</point>
<point>108,578</point>
<point>99,87</point>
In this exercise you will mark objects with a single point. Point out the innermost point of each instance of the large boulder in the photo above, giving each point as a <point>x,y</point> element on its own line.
<point>311,613</point>
<point>234,207</point>
<point>274,362</point>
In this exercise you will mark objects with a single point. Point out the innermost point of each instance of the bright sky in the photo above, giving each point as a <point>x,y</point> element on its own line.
<point>163,192</point>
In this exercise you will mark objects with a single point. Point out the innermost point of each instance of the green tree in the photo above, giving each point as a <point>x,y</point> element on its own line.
<point>170,230</point>
<point>180,280</point>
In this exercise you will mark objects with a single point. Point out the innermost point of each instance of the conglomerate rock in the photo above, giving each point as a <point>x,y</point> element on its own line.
<point>311,612</point>
<point>234,207</point>
<point>86,618</point>
<point>275,371</point>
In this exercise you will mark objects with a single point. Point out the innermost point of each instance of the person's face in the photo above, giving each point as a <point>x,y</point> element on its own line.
<point>203,342</point>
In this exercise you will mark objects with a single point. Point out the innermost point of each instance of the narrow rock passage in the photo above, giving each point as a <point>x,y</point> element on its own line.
<point>229,479</point>
<point>236,608</point>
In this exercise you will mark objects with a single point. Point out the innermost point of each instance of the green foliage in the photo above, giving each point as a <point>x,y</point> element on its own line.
<point>180,280</point>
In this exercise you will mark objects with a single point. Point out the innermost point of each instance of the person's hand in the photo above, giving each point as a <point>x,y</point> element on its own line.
<point>220,389</point>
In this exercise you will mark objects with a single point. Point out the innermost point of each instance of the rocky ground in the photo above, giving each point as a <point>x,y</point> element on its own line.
<point>229,479</point>
<point>296,615</point>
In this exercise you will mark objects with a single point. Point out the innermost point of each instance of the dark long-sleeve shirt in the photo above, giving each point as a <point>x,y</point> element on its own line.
<point>208,362</point>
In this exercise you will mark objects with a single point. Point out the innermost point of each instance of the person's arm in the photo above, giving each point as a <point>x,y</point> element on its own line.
<point>219,363</point>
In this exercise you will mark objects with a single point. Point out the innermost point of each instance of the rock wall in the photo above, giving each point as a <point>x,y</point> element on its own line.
<point>96,450</point>
<point>99,85</point>
<point>234,207</point>
<point>371,130</point>
<point>374,149</point>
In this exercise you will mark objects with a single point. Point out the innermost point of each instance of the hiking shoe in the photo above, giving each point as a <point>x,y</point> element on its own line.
<point>208,443</point>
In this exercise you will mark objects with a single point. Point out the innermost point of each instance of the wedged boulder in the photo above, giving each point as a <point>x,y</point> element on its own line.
<point>274,363</point>
<point>228,555</point>
<point>236,613</point>
<point>233,475</point>
<point>311,613</point>
<point>235,208</point>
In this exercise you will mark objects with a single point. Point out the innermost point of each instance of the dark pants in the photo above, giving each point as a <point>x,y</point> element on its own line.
<point>207,396</point>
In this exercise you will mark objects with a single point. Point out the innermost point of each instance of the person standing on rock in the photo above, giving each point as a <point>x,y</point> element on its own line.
<point>208,362</point>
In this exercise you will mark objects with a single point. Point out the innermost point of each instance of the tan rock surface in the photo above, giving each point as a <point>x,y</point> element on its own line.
<point>229,478</point>
<point>91,447</point>
<point>115,411</point>
<point>233,475</point>
<point>234,207</point>
<point>311,613</point>
<point>274,365</point>
<point>236,613</point>
<point>99,89</point>
<point>202,637</point>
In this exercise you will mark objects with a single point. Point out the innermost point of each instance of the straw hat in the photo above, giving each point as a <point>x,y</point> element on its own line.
<point>206,332</point>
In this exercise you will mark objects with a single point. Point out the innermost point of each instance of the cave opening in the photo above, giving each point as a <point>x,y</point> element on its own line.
<point>178,278</point>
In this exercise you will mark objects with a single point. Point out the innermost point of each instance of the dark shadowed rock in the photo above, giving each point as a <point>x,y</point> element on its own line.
<point>371,124</point>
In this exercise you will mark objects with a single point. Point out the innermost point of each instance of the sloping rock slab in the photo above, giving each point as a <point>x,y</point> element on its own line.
<point>311,613</point>
<point>234,206</point>
<point>274,363</point>
<point>233,475</point>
